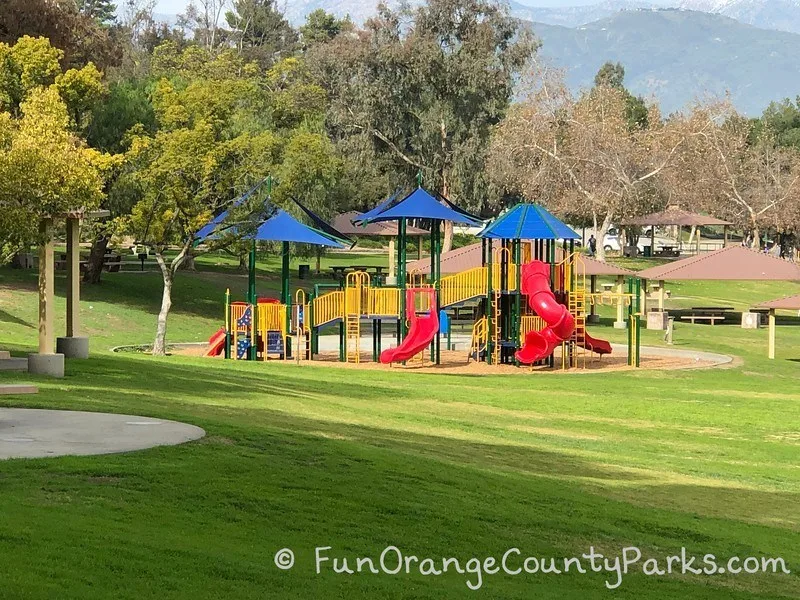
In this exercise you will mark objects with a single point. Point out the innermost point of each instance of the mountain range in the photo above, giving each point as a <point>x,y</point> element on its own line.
<point>678,56</point>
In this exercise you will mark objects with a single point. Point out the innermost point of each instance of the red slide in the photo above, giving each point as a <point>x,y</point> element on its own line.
<point>535,278</point>
<point>216,343</point>
<point>421,330</point>
<point>595,345</point>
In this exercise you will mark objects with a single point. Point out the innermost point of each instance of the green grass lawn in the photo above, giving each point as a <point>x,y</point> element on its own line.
<point>437,465</point>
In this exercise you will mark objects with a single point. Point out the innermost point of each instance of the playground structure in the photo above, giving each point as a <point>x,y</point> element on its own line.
<point>530,293</point>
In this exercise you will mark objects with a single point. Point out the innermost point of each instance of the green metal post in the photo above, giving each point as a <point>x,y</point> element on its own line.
<point>286,297</point>
<point>252,353</point>
<point>517,323</point>
<point>401,276</point>
<point>489,314</point>
<point>227,323</point>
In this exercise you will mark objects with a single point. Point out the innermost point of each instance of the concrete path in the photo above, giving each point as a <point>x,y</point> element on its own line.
<point>30,433</point>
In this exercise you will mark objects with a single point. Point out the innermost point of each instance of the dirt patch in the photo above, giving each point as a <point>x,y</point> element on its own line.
<point>456,363</point>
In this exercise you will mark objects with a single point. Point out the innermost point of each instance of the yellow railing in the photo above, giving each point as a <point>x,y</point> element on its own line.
<point>497,278</point>
<point>530,323</point>
<point>480,337</point>
<point>272,317</point>
<point>383,302</point>
<point>462,286</point>
<point>328,307</point>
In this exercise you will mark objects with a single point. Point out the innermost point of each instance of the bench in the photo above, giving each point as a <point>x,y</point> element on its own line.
<point>667,252</point>
<point>712,314</point>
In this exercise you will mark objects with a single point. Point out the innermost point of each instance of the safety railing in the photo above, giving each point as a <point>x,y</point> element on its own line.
<point>511,278</point>
<point>328,307</point>
<point>463,286</point>
<point>480,338</point>
<point>272,317</point>
<point>383,302</point>
<point>530,323</point>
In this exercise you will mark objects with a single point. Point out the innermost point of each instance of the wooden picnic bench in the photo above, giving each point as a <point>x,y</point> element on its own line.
<point>712,314</point>
<point>667,251</point>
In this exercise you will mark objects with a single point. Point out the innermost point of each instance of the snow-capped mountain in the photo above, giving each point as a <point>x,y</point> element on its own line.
<point>782,15</point>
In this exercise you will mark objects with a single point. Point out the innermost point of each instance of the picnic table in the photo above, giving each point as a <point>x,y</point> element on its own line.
<point>667,250</point>
<point>340,271</point>
<point>712,314</point>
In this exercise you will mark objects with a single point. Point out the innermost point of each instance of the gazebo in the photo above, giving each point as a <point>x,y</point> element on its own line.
<point>344,223</point>
<point>787,303</point>
<point>678,217</point>
<point>734,263</point>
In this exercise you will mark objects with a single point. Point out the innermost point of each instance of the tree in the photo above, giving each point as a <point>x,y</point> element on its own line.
<point>203,20</point>
<point>260,30</point>
<point>321,27</point>
<point>424,97</point>
<point>613,76</point>
<point>44,169</point>
<point>102,11</point>
<point>579,155</point>
<point>740,171</point>
<point>80,37</point>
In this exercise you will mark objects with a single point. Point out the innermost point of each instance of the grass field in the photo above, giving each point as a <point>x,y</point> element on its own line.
<point>437,465</point>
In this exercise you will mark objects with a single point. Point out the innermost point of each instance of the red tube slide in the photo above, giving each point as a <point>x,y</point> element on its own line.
<point>422,329</point>
<point>535,279</point>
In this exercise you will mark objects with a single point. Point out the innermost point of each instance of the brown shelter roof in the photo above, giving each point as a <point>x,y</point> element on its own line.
<point>469,257</point>
<point>344,224</point>
<point>732,263</point>
<point>787,303</point>
<point>677,216</point>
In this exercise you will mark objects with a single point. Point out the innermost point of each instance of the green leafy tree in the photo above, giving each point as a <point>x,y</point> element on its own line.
<point>612,75</point>
<point>321,27</point>
<point>82,90</point>
<point>101,11</point>
<point>44,169</point>
<point>425,97</point>
<point>260,30</point>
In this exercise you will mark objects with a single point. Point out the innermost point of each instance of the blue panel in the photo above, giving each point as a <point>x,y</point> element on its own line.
<point>528,222</point>
<point>419,204</point>
<point>283,227</point>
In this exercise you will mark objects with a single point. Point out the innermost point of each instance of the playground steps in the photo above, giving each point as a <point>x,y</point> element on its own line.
<point>496,332</point>
<point>353,338</point>
<point>480,338</point>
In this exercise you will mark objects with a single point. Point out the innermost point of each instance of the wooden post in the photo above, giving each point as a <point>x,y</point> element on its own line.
<point>697,232</point>
<point>652,240</point>
<point>46,288</point>
<point>592,290</point>
<point>772,333</point>
<point>661,296</point>
<point>73,277</point>
<point>621,323</point>
<point>391,258</point>
<point>725,236</point>
<point>643,297</point>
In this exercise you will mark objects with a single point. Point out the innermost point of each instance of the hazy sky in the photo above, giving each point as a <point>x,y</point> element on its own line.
<point>177,6</point>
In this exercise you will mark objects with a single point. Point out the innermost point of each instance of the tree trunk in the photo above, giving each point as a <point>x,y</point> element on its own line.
<point>188,263</point>
<point>96,259</point>
<point>160,344</point>
<point>319,259</point>
<point>756,238</point>
<point>447,240</point>
<point>601,237</point>
<point>242,263</point>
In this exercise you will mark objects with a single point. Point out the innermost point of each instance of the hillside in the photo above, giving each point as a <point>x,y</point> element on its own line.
<point>677,55</point>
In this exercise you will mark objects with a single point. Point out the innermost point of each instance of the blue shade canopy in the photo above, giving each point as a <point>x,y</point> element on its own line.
<point>366,217</point>
<point>528,222</point>
<point>208,229</point>
<point>282,227</point>
<point>419,204</point>
<point>322,225</point>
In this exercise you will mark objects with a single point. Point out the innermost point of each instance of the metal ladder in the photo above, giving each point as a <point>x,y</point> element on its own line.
<point>496,332</point>
<point>354,300</point>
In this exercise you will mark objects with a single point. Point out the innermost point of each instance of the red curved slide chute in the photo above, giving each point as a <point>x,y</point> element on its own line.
<point>216,343</point>
<point>595,345</point>
<point>535,279</point>
<point>422,329</point>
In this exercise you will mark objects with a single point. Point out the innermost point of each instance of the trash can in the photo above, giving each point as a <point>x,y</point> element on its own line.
<point>303,271</point>
<point>648,251</point>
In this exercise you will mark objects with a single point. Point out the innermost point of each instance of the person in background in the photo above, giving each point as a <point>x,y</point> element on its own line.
<point>592,245</point>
